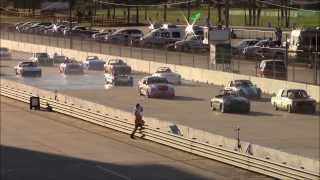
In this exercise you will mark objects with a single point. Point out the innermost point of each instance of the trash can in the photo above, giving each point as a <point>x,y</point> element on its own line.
<point>34,103</point>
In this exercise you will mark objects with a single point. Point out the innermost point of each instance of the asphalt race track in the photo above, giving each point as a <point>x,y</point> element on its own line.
<point>294,133</point>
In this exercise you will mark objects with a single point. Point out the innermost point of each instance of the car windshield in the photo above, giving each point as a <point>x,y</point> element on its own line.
<point>163,70</point>
<point>295,94</point>
<point>156,80</point>
<point>42,55</point>
<point>90,58</point>
<point>261,43</point>
<point>28,64</point>
<point>4,49</point>
<point>243,83</point>
<point>74,66</point>
<point>116,62</point>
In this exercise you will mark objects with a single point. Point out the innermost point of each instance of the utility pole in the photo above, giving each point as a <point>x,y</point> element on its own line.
<point>209,13</point>
<point>227,13</point>
<point>189,9</point>
<point>70,22</point>
<point>165,13</point>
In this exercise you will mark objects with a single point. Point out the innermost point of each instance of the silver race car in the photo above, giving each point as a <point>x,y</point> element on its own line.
<point>94,63</point>
<point>244,88</point>
<point>118,79</point>
<point>152,86</point>
<point>229,101</point>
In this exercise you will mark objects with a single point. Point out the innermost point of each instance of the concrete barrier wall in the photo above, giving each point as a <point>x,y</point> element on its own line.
<point>186,132</point>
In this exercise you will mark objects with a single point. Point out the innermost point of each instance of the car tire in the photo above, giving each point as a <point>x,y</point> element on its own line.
<point>148,94</point>
<point>212,107</point>
<point>275,107</point>
<point>290,110</point>
<point>139,92</point>
<point>222,110</point>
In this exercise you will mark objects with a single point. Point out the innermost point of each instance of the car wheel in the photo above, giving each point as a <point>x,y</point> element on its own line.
<point>313,110</point>
<point>148,94</point>
<point>139,92</point>
<point>275,107</point>
<point>222,108</point>
<point>212,107</point>
<point>290,110</point>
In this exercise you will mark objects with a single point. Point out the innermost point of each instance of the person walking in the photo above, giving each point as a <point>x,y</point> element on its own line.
<point>138,123</point>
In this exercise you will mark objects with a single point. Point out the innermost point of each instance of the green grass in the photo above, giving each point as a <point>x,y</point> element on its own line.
<point>175,15</point>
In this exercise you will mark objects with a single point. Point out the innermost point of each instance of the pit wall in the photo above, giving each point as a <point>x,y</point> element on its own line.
<point>269,86</point>
<point>254,150</point>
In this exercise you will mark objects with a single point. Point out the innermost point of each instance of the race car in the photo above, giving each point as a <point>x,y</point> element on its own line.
<point>229,101</point>
<point>42,59</point>
<point>152,86</point>
<point>71,67</point>
<point>118,79</point>
<point>166,72</point>
<point>293,100</point>
<point>5,53</point>
<point>28,68</point>
<point>118,66</point>
<point>244,88</point>
<point>58,59</point>
<point>94,63</point>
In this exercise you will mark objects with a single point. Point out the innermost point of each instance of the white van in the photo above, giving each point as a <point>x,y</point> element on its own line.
<point>163,36</point>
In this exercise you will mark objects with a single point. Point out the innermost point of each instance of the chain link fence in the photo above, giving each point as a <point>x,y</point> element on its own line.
<point>297,71</point>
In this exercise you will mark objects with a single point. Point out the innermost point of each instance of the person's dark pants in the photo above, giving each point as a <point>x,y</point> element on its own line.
<point>136,126</point>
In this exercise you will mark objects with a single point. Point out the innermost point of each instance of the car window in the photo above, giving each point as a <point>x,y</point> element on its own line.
<point>165,34</point>
<point>176,34</point>
<point>284,94</point>
<point>295,94</point>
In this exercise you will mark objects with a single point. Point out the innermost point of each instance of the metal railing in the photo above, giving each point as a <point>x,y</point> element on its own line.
<point>233,157</point>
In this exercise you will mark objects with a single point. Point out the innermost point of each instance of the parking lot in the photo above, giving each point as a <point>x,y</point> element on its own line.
<point>263,125</point>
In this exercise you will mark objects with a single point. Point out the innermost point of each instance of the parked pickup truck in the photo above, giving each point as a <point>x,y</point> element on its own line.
<point>293,100</point>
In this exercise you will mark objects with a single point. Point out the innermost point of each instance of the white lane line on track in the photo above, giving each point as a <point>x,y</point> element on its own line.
<point>113,173</point>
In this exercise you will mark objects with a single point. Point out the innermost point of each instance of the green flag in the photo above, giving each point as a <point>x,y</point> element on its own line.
<point>195,17</point>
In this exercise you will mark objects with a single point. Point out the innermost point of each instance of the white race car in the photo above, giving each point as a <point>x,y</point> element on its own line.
<point>71,67</point>
<point>166,72</point>
<point>28,68</point>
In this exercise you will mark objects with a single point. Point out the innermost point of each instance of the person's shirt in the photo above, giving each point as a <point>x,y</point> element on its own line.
<point>138,111</point>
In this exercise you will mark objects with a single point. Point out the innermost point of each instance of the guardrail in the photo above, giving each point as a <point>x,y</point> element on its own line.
<point>63,104</point>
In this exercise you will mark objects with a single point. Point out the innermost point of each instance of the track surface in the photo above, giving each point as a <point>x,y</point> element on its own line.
<point>44,145</point>
<point>293,133</point>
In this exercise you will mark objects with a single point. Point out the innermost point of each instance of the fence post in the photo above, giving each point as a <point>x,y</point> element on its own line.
<point>141,53</point>
<point>166,55</point>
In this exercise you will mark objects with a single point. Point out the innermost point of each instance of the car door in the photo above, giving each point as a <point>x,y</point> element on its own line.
<point>283,100</point>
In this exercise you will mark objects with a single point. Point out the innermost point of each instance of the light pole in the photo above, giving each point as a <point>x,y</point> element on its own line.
<point>70,22</point>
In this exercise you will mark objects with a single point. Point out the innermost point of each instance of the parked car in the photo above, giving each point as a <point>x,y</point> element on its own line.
<point>162,37</point>
<point>94,63</point>
<point>166,72</point>
<point>71,67</point>
<point>124,36</point>
<point>118,79</point>
<point>293,100</point>
<point>238,47</point>
<point>273,69</point>
<point>58,59</point>
<point>5,53</point>
<point>27,68</point>
<point>244,88</point>
<point>263,49</point>
<point>152,86</point>
<point>191,44</point>
<point>118,66</point>
<point>229,101</point>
